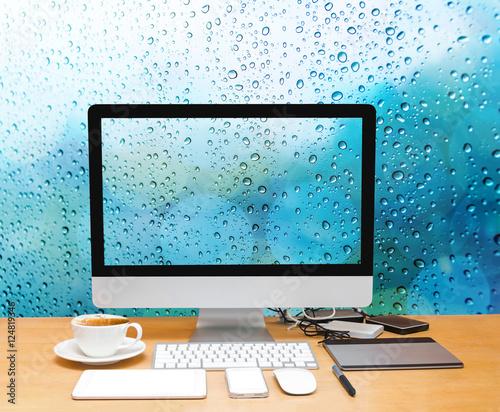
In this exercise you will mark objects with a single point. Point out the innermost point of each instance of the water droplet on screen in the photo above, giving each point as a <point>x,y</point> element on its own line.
<point>467,148</point>
<point>243,165</point>
<point>265,31</point>
<point>347,249</point>
<point>401,290</point>
<point>255,157</point>
<point>232,74</point>
<point>342,145</point>
<point>247,181</point>
<point>300,84</point>
<point>326,225</point>
<point>312,159</point>
<point>496,239</point>
<point>255,227</point>
<point>398,175</point>
<point>187,140</point>
<point>342,57</point>
<point>419,263</point>
<point>262,189</point>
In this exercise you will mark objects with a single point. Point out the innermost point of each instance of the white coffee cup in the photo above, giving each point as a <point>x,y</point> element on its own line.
<point>100,336</point>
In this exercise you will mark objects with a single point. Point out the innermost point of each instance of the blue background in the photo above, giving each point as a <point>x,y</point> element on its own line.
<point>430,68</point>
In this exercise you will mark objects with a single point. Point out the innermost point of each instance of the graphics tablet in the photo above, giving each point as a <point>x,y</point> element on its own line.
<point>390,353</point>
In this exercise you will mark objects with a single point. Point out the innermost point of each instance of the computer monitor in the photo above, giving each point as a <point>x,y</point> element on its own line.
<point>232,207</point>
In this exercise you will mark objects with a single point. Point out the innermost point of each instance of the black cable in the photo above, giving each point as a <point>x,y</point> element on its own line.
<point>311,328</point>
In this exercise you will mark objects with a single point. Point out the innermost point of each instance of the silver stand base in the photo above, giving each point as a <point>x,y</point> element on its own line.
<point>231,325</point>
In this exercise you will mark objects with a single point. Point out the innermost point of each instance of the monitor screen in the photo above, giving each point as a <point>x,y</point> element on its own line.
<point>232,190</point>
<point>224,191</point>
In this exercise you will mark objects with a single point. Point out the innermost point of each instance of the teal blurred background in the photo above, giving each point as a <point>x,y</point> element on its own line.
<point>430,68</point>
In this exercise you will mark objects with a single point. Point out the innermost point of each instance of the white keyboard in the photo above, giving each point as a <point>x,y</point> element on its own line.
<point>219,356</point>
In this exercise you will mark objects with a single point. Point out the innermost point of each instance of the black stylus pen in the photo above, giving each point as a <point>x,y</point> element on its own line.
<point>343,380</point>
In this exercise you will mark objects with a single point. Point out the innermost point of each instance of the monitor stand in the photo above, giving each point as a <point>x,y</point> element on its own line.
<point>231,325</point>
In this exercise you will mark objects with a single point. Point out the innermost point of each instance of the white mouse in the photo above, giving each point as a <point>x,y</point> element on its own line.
<point>296,381</point>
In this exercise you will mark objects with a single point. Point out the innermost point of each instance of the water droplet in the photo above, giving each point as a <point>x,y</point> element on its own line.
<point>337,96</point>
<point>486,39</point>
<point>355,66</point>
<point>255,227</point>
<point>187,140</point>
<point>398,175</point>
<point>243,165</point>
<point>217,235</point>
<point>262,189</point>
<point>300,84</point>
<point>467,148</point>
<point>347,249</point>
<point>254,157</point>
<point>398,306</point>
<point>342,145</point>
<point>255,84</point>
<point>351,30</point>
<point>488,181</point>
<point>265,31</point>
<point>342,57</point>
<point>312,159</point>
<point>401,290</point>
<point>419,263</point>
<point>247,181</point>
<point>325,225</point>
<point>153,184</point>
<point>463,39</point>
<point>496,239</point>
<point>232,74</point>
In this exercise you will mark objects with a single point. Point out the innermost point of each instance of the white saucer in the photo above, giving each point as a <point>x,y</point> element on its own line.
<point>70,350</point>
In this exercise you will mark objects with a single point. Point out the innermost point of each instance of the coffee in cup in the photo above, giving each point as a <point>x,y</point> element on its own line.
<point>100,336</point>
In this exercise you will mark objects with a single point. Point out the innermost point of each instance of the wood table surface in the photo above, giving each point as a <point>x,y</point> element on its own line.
<point>43,381</point>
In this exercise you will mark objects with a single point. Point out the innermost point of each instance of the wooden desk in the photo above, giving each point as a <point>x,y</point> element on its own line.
<point>45,381</point>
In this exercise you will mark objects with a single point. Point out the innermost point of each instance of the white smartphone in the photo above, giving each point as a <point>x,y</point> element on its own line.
<point>141,384</point>
<point>246,383</point>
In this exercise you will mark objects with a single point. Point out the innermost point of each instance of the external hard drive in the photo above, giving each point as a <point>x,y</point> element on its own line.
<point>398,324</point>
